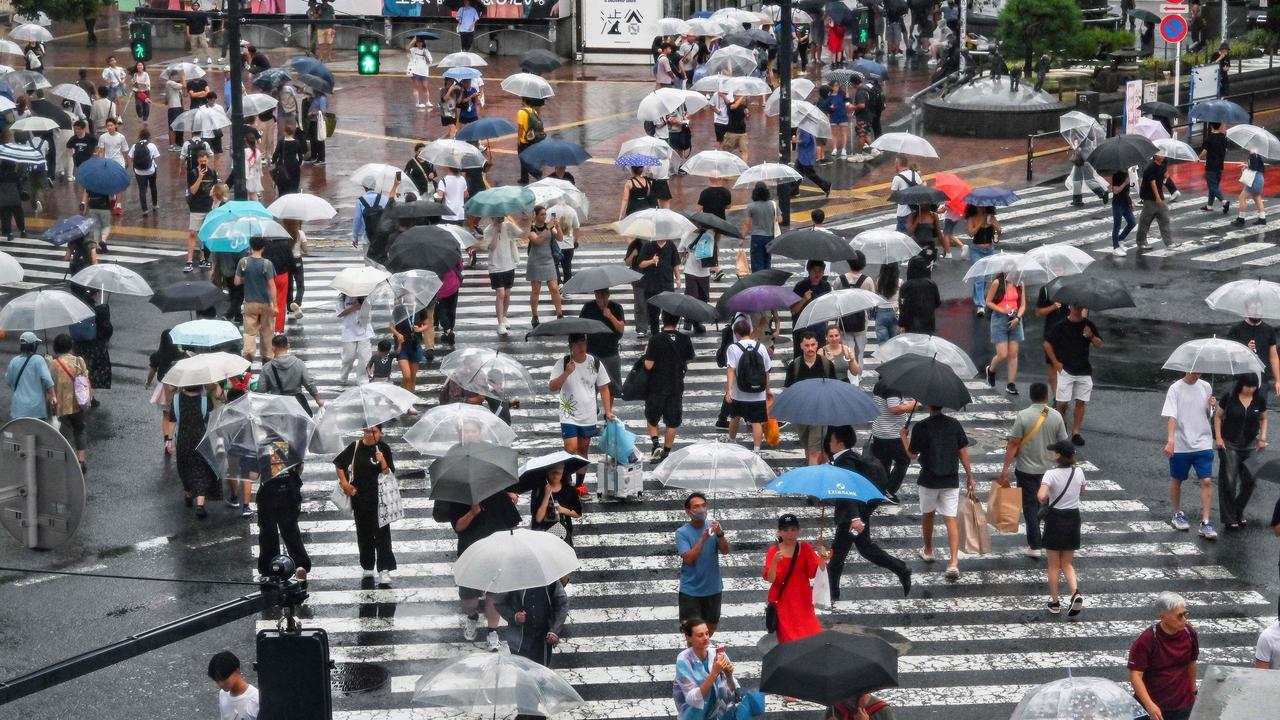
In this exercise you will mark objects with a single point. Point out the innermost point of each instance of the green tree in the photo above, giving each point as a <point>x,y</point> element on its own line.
<point>1026,26</point>
<point>60,9</point>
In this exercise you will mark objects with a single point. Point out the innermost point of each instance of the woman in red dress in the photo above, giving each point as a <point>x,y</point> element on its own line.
<point>796,616</point>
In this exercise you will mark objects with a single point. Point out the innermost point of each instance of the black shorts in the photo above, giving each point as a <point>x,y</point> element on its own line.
<point>720,131</point>
<point>215,144</point>
<point>682,140</point>
<point>707,608</point>
<point>173,113</point>
<point>668,408</point>
<point>447,121</point>
<point>750,411</point>
<point>659,190</point>
<point>469,593</point>
<point>505,279</point>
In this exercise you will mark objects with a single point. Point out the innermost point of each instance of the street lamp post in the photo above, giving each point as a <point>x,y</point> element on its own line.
<point>236,73</point>
<point>785,34</point>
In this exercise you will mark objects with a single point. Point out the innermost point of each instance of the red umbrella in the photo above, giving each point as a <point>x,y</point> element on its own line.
<point>955,190</point>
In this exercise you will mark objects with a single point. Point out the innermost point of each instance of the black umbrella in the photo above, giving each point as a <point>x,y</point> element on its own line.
<point>919,195</point>
<point>714,222</point>
<point>416,209</point>
<point>768,276</point>
<point>927,380</point>
<point>1264,466</point>
<point>539,61</point>
<point>600,277</point>
<point>186,295</point>
<point>1121,153</point>
<point>741,38</point>
<point>829,667</point>
<point>471,472</point>
<point>569,326</point>
<point>839,13</point>
<point>424,247</point>
<point>46,109</point>
<point>1087,291</point>
<point>1159,109</point>
<point>811,244</point>
<point>687,307</point>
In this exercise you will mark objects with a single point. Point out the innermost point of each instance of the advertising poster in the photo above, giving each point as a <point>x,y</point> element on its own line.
<point>619,25</point>
<point>1132,101</point>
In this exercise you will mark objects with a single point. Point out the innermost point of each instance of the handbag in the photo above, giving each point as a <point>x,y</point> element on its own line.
<point>1004,507</point>
<point>705,247</point>
<point>822,591</point>
<point>337,497</point>
<point>742,264</point>
<point>975,538</point>
<point>636,386</point>
<point>1043,512</point>
<point>1247,176</point>
<point>777,227</point>
<point>80,384</point>
<point>771,608</point>
<point>772,431</point>
<point>390,506</point>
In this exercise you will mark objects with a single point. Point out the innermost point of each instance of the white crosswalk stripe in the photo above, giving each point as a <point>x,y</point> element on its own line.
<point>976,643</point>
<point>43,264</point>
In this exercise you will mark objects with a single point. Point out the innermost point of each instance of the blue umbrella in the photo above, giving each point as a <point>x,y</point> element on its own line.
<point>68,229</point>
<point>485,128</point>
<point>820,401</point>
<point>462,73</point>
<point>633,160</point>
<point>870,67</point>
<point>703,14</point>
<point>228,212</point>
<point>102,176</point>
<point>554,153</point>
<point>204,333</point>
<point>311,66</point>
<point>1218,111</point>
<point>425,35</point>
<point>991,197</point>
<point>826,482</point>
<point>272,79</point>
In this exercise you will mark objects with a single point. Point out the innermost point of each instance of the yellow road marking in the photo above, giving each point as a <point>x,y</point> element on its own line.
<point>125,230</point>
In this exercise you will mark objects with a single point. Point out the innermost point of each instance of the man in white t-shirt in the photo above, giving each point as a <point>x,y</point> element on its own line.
<point>904,177</point>
<point>451,189</point>
<point>237,699</point>
<point>720,102</point>
<point>578,378</point>
<point>747,405</point>
<point>1266,656</point>
<point>114,76</point>
<point>357,331</point>
<point>1188,410</point>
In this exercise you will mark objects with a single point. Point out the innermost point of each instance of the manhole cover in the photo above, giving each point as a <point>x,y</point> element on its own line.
<point>353,678</point>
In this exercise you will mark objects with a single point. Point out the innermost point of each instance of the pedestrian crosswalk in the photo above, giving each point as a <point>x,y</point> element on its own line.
<point>43,264</point>
<point>972,646</point>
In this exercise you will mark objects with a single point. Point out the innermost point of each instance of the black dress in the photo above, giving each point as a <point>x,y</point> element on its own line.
<point>97,352</point>
<point>196,475</point>
<point>638,195</point>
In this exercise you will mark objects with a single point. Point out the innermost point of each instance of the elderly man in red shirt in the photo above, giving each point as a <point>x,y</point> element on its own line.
<point>1162,662</point>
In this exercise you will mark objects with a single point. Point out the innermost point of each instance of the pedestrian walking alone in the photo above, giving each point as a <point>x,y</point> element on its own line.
<point>666,359</point>
<point>1007,302</point>
<point>704,684</point>
<point>807,365</point>
<point>918,298</point>
<point>604,346</point>
<point>1189,408</point>
<point>1121,211</point>
<point>144,156</point>
<point>1059,494</point>
<point>700,543</point>
<point>762,219</point>
<point>1252,182</point>
<point>279,506</point>
<point>579,378</point>
<point>886,434</point>
<point>361,466</point>
<point>357,331</point>
<point>1162,661</point>
<point>1154,206</point>
<point>11,213</point>
<point>789,567</point>
<point>941,445</point>
<point>535,619</point>
<point>746,389</point>
<point>1214,153</point>
<point>852,517</point>
<point>540,266</point>
<point>1260,337</point>
<point>1067,348</point>
<point>1239,429</point>
<point>554,505</point>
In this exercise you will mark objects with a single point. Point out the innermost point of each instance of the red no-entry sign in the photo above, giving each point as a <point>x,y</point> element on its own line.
<point>1173,28</point>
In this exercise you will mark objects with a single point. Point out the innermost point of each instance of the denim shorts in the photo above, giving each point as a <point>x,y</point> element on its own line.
<point>1181,463</point>
<point>569,431</point>
<point>1001,332</point>
<point>416,355</point>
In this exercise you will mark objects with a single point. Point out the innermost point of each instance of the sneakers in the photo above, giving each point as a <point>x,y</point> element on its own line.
<point>1077,604</point>
<point>1054,606</point>
<point>201,512</point>
<point>247,511</point>
<point>1179,521</point>
<point>1226,206</point>
<point>503,329</point>
<point>991,376</point>
<point>384,578</point>
<point>953,573</point>
<point>469,624</point>
<point>925,555</point>
<point>1011,389</point>
<point>232,501</point>
<point>980,312</point>
<point>655,457</point>
<point>422,106</point>
<point>296,310</point>
<point>1119,251</point>
<point>1207,532</point>
<point>188,267</point>
<point>492,641</point>
<point>1033,552</point>
<point>1238,222</point>
<point>206,264</point>
<point>1260,221</point>
<point>722,424</point>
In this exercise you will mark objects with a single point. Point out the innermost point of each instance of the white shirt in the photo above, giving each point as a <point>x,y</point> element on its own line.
<point>693,266</point>
<point>141,82</point>
<point>567,218</point>
<point>355,326</point>
<point>1268,649</point>
<point>1189,405</point>
<point>173,94</point>
<point>114,76</point>
<point>900,183</point>
<point>155,153</point>
<point>503,251</point>
<point>244,707</point>
<point>720,108</point>
<point>1056,479</point>
<point>113,146</point>
<point>732,355</point>
<point>420,61</point>
<point>453,189</point>
<point>578,394</point>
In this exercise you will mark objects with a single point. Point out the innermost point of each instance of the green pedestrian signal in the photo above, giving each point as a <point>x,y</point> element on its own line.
<point>862,26</point>
<point>368,48</point>
<point>140,41</point>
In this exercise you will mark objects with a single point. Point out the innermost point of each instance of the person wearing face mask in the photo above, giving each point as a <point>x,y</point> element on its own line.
<point>700,543</point>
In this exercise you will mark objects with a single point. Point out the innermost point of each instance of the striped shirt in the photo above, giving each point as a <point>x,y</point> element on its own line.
<point>888,426</point>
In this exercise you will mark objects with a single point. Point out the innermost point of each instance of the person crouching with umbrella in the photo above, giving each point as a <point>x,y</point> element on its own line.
<point>360,468</point>
<point>535,618</point>
<point>704,677</point>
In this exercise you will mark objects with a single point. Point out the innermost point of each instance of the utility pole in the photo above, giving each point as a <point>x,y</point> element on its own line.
<point>784,105</point>
<point>236,73</point>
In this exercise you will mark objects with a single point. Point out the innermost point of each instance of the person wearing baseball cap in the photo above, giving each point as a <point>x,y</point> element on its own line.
<point>790,567</point>
<point>28,376</point>
<point>1059,497</point>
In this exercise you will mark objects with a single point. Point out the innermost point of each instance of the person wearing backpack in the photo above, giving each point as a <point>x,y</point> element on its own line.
<point>72,394</point>
<point>904,177</point>
<point>143,156</point>
<point>28,376</point>
<point>1162,661</point>
<point>530,132</point>
<point>747,382</point>
<point>369,209</point>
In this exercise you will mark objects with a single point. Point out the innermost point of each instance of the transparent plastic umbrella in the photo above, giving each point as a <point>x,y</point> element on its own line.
<point>453,154</point>
<point>769,173</point>
<point>35,124</point>
<point>358,281</point>
<point>30,32</point>
<point>355,409</point>
<point>1078,698</point>
<point>662,102</point>
<point>39,18</point>
<point>493,685</point>
<point>204,369</point>
<point>445,426</point>
<point>257,103</point>
<point>462,59</point>
<point>1061,259</point>
<point>188,71</point>
<point>946,352</point>
<point>837,304</point>
<point>517,559</point>
<point>26,80</point>
<point>668,26</point>
<point>705,27</point>
<point>74,93</point>
<point>266,433</point>
<point>801,88</point>
<point>650,146</point>
<point>1214,356</point>
<point>301,206</point>
<point>411,289</point>
<point>715,164</point>
<point>554,190</point>
<point>746,85</point>
<point>732,59</point>
<point>654,224</point>
<point>202,119</point>
<point>116,279</point>
<point>1151,129</point>
<point>1247,298</point>
<point>528,85</point>
<point>205,333</point>
<point>905,144</point>
<point>1176,150</point>
<point>379,177</point>
<point>1077,127</point>
<point>881,247</point>
<point>10,269</point>
<point>1018,266</point>
<point>487,372</point>
<point>43,309</point>
<point>714,467</point>
<point>1255,140</point>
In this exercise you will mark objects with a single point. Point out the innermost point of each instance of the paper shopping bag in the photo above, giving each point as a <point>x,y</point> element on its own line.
<point>742,264</point>
<point>975,538</point>
<point>1004,507</point>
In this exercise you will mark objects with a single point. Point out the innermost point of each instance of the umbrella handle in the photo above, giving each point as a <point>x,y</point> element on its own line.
<point>822,522</point>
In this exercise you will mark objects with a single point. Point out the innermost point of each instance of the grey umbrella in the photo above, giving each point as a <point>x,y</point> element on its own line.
<point>471,472</point>
<point>687,307</point>
<point>600,277</point>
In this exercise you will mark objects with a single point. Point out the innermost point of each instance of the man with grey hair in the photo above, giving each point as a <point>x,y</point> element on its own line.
<point>1162,661</point>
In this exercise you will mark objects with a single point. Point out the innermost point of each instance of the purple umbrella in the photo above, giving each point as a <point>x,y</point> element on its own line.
<point>763,298</point>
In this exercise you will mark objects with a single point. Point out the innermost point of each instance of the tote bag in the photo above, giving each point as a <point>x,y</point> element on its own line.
<point>975,538</point>
<point>390,506</point>
<point>1004,507</point>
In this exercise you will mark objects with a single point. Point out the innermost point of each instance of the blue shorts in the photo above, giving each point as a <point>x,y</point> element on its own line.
<point>421,78</point>
<point>1001,332</point>
<point>115,92</point>
<point>949,226</point>
<point>1181,463</point>
<point>417,355</point>
<point>569,431</point>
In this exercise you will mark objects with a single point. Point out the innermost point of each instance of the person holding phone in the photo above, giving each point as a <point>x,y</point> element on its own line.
<point>790,567</point>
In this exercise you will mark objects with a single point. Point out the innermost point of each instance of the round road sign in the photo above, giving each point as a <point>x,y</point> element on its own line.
<point>1173,28</point>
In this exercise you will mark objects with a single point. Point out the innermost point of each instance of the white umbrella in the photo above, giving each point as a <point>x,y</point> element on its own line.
<point>5,103</point>
<point>800,89</point>
<point>495,685</point>
<point>904,144</point>
<point>1076,127</point>
<point>710,83</point>
<point>768,173</point>
<point>1247,298</point>
<point>257,103</point>
<point>1018,266</point>
<point>74,93</point>
<point>881,247</point>
<point>747,85</point>
<point>646,145</point>
<point>453,154</point>
<point>568,194</point>
<point>462,59</point>
<point>1214,356</point>
<point>1061,259</point>
<point>43,309</point>
<point>517,559</point>
<point>947,352</point>
<point>654,224</point>
<point>666,27</point>
<point>204,369</point>
<point>188,70</point>
<point>1255,140</point>
<point>1176,150</point>
<point>714,467</point>
<point>705,27</point>
<point>112,278</point>
<point>715,163</point>
<point>807,117</point>
<point>444,426</point>
<point>8,47</point>
<point>733,59</point>
<point>837,304</point>
<point>528,85</point>
<point>10,269</point>
<point>209,117</point>
<point>40,18</point>
<point>379,177</point>
<point>1150,128</point>
<point>30,32</point>
<point>358,281</point>
<point>737,15</point>
<point>664,101</point>
<point>462,235</point>
<point>301,206</point>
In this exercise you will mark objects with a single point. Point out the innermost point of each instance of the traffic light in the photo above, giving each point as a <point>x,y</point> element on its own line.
<point>861,26</point>
<point>140,41</point>
<point>367,49</point>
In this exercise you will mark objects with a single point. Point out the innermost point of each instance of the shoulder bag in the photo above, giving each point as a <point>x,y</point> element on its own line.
<point>771,608</point>
<point>80,384</point>
<point>1045,509</point>
<point>339,498</point>
<point>1034,428</point>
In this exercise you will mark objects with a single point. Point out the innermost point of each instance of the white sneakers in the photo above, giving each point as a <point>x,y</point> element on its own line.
<point>1120,251</point>
<point>469,625</point>
<point>296,310</point>
<point>504,329</point>
<point>384,577</point>
<point>492,641</point>
<point>1032,552</point>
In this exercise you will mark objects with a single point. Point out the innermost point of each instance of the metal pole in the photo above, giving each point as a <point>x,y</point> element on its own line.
<point>784,106</point>
<point>33,510</point>
<point>1177,80</point>
<point>236,73</point>
<point>1224,20</point>
<point>1031,153</point>
<point>964,27</point>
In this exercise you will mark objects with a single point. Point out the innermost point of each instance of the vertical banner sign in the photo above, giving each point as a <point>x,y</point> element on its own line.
<point>1132,101</point>
<point>1150,92</point>
<point>619,25</point>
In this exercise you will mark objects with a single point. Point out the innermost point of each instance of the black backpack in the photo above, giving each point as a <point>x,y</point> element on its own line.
<point>192,152</point>
<point>876,103</point>
<point>751,376</point>
<point>650,128</point>
<point>142,157</point>
<point>372,215</point>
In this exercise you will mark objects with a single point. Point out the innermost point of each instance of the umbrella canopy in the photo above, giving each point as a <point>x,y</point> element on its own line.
<point>654,224</point>
<point>918,195</point>
<point>555,153</point>
<point>562,327</point>
<point>835,305</point>
<point>271,432</point>
<point>204,369</point>
<point>496,685</point>
<point>1017,266</point>
<point>23,154</point>
<point>811,244</point>
<point>445,426</point>
<point>233,236</point>
<point>820,401</point>
<point>47,109</point>
<point>314,83</point>
<point>1077,127</point>
<point>500,201</point>
<point>112,278</point>
<point>871,68</point>
<point>453,154</point>
<point>68,229</point>
<point>257,103</point>
<point>1145,16</point>
<point>600,277</point>
<point>715,164</point>
<point>685,306</point>
<point>926,379</point>
<point>528,85</point>
<point>26,80</point>
<point>904,144</point>
<point>826,482</point>
<point>733,60</point>
<point>705,27</point>
<point>487,128</point>
<point>30,32</point>
<point>35,124</point>
<point>1176,150</point>
<point>991,197</point>
<point>302,206</point>
<point>417,209</point>
<point>882,247</point>
<point>271,79</point>
<point>769,173</point>
<point>462,59</point>
<point>1078,697</point>
<point>424,247</point>
<point>205,333</point>
<point>408,291</point>
<point>462,73</point>
<point>1121,153</point>
<point>517,559</point>
<point>379,177</point>
<point>551,189</point>
<point>1159,109</point>
<point>1150,128</point>
<point>1218,111</point>
<point>633,160</point>
<point>355,409</point>
<point>714,223</point>
<point>43,309</point>
<point>1060,259</point>
<point>358,281</point>
<point>186,295</point>
<point>801,88</point>
<point>230,212</point>
<point>768,276</point>
<point>208,118</point>
<point>39,18</point>
<point>1094,293</point>
<point>192,71</point>
<point>1247,298</point>
<point>533,474</point>
<point>746,85</point>
<point>539,61</point>
<point>306,65</point>
<point>662,102</point>
<point>947,352</point>
<point>1255,140</point>
<point>487,372</point>
<point>10,269</point>
<point>645,145</point>
<point>1214,356</point>
<point>841,75</point>
<point>829,667</point>
<point>712,467</point>
<point>471,472</point>
<point>763,298</point>
<point>955,189</point>
<point>97,175</point>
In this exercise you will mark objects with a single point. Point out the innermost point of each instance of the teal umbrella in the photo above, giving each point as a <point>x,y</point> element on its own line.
<point>233,236</point>
<point>230,211</point>
<point>500,201</point>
